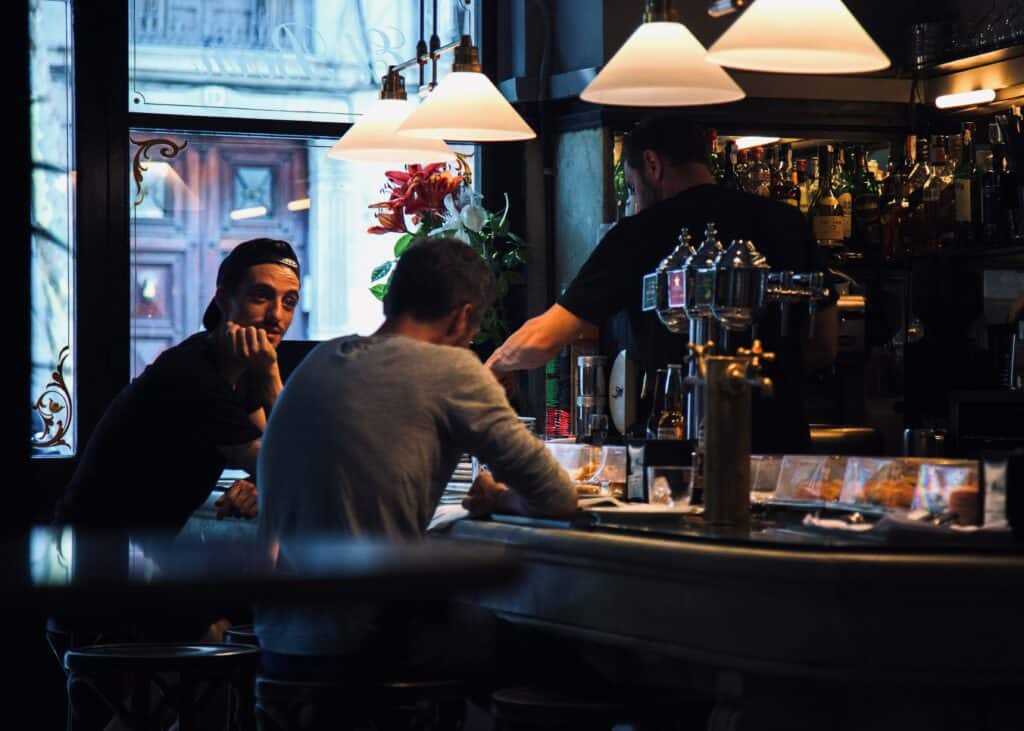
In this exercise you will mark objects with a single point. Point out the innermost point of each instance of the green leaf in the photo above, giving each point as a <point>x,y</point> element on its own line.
<point>512,259</point>
<point>514,239</point>
<point>502,285</point>
<point>379,272</point>
<point>516,278</point>
<point>379,290</point>
<point>402,245</point>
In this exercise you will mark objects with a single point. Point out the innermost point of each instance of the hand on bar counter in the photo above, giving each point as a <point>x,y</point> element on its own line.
<point>483,495</point>
<point>238,501</point>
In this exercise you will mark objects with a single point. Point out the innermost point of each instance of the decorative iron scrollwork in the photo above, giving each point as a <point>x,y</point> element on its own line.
<point>462,165</point>
<point>54,407</point>
<point>168,149</point>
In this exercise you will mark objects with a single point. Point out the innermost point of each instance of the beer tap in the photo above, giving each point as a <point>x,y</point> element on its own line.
<point>745,285</point>
<point>657,285</point>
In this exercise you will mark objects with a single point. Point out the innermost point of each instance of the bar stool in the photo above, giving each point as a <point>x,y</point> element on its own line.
<point>285,705</point>
<point>200,670</point>
<point>533,709</point>
<point>241,634</point>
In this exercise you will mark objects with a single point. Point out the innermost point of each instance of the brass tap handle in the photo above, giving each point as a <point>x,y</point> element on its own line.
<point>700,353</point>
<point>757,355</point>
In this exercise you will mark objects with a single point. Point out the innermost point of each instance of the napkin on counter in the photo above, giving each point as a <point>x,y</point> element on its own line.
<point>445,515</point>
<point>835,524</point>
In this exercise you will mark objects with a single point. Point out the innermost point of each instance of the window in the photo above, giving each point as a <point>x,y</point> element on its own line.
<point>53,228</point>
<point>197,194</point>
<point>216,191</point>
<point>288,59</point>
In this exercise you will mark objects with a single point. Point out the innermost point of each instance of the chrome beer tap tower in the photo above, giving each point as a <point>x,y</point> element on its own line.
<point>726,288</point>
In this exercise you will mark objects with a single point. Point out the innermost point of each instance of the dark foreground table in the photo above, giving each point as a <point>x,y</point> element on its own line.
<point>74,572</point>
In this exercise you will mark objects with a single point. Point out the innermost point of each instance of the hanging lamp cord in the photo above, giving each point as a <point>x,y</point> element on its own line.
<point>435,45</point>
<point>421,45</point>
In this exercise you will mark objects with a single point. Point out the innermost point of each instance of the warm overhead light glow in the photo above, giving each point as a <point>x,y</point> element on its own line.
<point>375,138</point>
<point>745,143</point>
<point>466,107</point>
<point>240,213</point>
<point>300,204</point>
<point>661,65</point>
<point>798,37</point>
<point>965,99</point>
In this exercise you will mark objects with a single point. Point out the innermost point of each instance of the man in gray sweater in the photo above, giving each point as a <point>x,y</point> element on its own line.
<point>366,434</point>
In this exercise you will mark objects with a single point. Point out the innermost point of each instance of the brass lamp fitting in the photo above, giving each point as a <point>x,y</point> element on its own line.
<point>392,85</point>
<point>660,11</point>
<point>467,58</point>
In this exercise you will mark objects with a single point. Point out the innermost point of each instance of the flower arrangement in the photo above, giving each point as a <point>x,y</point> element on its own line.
<point>438,201</point>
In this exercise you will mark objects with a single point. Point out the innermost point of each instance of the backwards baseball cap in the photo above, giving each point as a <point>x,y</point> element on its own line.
<point>249,254</point>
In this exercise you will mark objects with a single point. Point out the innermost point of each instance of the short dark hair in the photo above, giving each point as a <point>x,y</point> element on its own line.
<point>434,277</point>
<point>674,137</point>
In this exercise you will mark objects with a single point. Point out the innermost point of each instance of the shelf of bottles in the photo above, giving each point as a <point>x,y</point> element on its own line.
<point>960,192</point>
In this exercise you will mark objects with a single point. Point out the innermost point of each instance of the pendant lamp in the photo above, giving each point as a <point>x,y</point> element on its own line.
<point>374,137</point>
<point>798,37</point>
<point>465,106</point>
<point>661,65</point>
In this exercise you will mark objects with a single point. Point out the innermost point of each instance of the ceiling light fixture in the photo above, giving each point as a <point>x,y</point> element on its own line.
<point>375,138</point>
<point>661,65</point>
<point>466,106</point>
<point>798,37</point>
<point>240,214</point>
<point>745,143</point>
<point>965,99</point>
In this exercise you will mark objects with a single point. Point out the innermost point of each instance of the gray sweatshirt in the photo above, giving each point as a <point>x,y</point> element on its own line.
<point>362,441</point>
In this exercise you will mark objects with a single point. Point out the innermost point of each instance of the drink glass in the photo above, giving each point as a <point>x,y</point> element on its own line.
<point>598,428</point>
<point>668,485</point>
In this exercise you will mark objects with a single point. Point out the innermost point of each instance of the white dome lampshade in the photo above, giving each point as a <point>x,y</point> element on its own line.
<point>798,37</point>
<point>375,138</point>
<point>661,65</point>
<point>466,107</point>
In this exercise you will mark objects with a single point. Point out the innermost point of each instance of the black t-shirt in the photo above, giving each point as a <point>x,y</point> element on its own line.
<point>610,282</point>
<point>153,458</point>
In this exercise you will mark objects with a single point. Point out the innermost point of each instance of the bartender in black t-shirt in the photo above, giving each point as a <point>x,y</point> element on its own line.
<point>667,173</point>
<point>199,408</point>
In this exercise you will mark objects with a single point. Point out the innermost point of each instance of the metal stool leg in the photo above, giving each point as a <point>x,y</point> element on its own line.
<point>140,702</point>
<point>187,703</point>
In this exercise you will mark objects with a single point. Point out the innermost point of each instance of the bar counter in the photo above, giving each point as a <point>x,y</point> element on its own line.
<point>796,607</point>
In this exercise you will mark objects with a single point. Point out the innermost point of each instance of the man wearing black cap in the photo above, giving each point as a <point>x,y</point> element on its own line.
<point>199,408</point>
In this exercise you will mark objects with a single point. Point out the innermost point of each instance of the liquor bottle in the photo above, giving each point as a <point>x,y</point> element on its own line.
<point>657,403</point>
<point>894,204</point>
<point>810,188</point>
<point>759,177</point>
<point>826,214</point>
<point>800,178</point>
<point>1013,207</point>
<point>841,186</point>
<point>931,200</point>
<point>964,189</point>
<point>992,191</point>
<point>949,152</point>
<point>730,179</point>
<point>714,159</point>
<point>672,421</point>
<point>789,192</point>
<point>742,169</point>
<point>864,189</point>
<point>920,173</point>
<point>775,166</point>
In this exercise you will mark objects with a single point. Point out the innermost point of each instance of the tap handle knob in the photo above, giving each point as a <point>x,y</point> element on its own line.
<point>699,353</point>
<point>758,356</point>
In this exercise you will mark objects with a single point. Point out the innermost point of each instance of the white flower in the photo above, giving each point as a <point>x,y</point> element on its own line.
<point>473,217</point>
